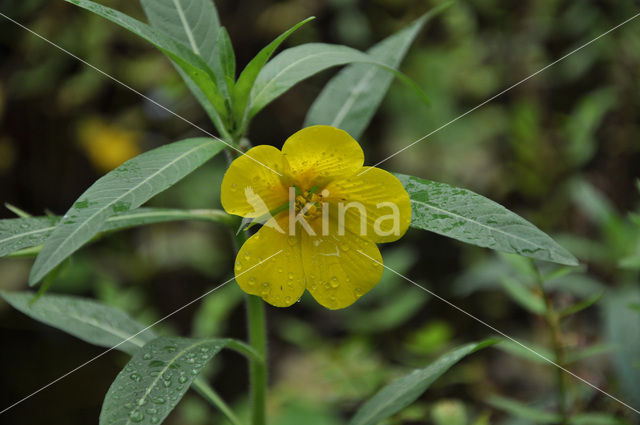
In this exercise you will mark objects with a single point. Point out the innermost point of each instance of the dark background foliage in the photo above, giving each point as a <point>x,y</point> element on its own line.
<point>562,149</point>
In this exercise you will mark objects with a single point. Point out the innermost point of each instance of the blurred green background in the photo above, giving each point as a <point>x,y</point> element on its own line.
<point>562,150</point>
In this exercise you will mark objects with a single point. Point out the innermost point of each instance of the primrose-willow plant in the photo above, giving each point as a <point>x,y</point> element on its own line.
<point>321,211</point>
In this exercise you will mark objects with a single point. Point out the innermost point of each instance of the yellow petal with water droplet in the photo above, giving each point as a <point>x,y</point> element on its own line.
<point>381,209</point>
<point>337,277</point>
<point>321,153</point>
<point>279,280</point>
<point>249,189</point>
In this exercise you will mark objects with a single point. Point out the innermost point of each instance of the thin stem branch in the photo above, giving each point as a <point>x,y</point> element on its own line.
<point>553,321</point>
<point>212,397</point>
<point>246,350</point>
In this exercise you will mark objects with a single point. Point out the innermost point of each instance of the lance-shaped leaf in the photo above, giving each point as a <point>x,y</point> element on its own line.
<point>194,23</point>
<point>404,391</point>
<point>155,379</point>
<point>298,63</point>
<point>108,327</point>
<point>351,98</point>
<point>190,63</point>
<point>19,233</point>
<point>249,74</point>
<point>227,60</point>
<point>88,320</point>
<point>125,188</point>
<point>472,218</point>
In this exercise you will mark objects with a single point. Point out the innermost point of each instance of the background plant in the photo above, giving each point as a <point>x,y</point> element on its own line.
<point>527,119</point>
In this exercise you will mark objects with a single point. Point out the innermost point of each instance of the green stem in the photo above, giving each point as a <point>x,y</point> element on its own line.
<point>258,342</point>
<point>553,321</point>
<point>212,397</point>
<point>257,370</point>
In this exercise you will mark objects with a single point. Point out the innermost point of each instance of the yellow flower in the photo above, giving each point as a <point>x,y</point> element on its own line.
<point>107,146</point>
<point>324,214</point>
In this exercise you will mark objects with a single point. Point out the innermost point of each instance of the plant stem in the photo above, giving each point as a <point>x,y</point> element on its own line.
<point>212,397</point>
<point>257,341</point>
<point>257,369</point>
<point>553,321</point>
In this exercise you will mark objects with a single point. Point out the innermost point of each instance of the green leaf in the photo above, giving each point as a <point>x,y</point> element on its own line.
<point>108,327</point>
<point>468,217</point>
<point>17,211</point>
<point>523,295</point>
<point>519,350</point>
<point>88,320</point>
<point>249,74</point>
<point>350,99</point>
<point>125,188</point>
<point>19,233</point>
<point>577,307</point>
<point>584,353</point>
<point>155,379</point>
<point>298,63</point>
<point>194,23</point>
<point>538,416</point>
<point>192,64</point>
<point>404,391</point>
<point>596,419</point>
<point>621,327</point>
<point>521,410</point>
<point>227,60</point>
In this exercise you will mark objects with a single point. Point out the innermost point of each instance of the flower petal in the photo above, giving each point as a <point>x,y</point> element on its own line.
<point>321,153</point>
<point>249,188</point>
<point>378,197</point>
<point>279,278</point>
<point>338,269</point>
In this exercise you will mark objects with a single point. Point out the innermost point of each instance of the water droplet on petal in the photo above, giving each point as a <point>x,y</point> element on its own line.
<point>252,281</point>
<point>335,282</point>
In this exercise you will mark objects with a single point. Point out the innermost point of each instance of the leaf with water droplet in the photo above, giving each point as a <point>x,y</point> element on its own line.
<point>405,390</point>
<point>25,232</point>
<point>138,397</point>
<point>124,188</point>
<point>468,217</point>
<point>86,319</point>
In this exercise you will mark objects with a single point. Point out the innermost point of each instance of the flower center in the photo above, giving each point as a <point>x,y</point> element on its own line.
<point>309,204</point>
